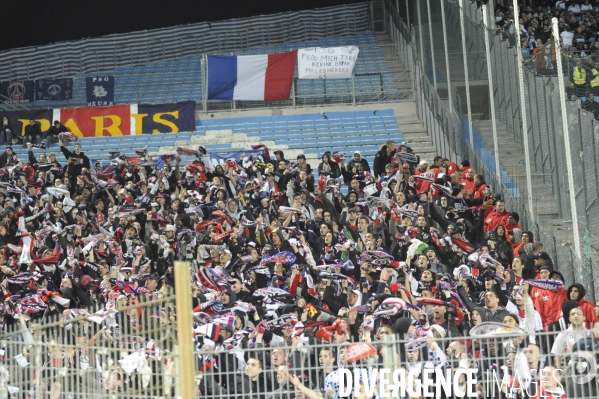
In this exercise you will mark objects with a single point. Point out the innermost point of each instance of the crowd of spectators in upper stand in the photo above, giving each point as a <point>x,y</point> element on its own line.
<point>578,23</point>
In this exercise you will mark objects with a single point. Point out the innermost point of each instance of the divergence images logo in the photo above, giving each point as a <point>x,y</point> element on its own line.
<point>585,368</point>
<point>16,90</point>
<point>54,90</point>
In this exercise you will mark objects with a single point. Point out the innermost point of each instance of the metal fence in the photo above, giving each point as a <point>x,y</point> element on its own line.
<point>129,351</point>
<point>461,65</point>
<point>78,358</point>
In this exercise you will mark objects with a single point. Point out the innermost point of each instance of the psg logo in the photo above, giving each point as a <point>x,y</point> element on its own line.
<point>16,90</point>
<point>54,90</point>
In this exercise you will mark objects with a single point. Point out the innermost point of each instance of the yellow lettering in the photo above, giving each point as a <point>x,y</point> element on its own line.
<point>113,129</point>
<point>138,122</point>
<point>24,122</point>
<point>165,122</point>
<point>73,128</point>
<point>44,124</point>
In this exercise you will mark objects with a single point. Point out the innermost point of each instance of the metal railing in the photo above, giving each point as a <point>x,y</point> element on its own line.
<point>388,81</point>
<point>391,74</point>
<point>139,357</point>
<point>450,129</point>
<point>131,349</point>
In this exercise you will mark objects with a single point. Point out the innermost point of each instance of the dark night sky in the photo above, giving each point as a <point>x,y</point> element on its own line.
<point>33,22</point>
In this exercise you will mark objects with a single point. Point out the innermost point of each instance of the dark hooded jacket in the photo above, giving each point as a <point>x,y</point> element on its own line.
<point>587,307</point>
<point>503,248</point>
<point>481,312</point>
<point>254,389</point>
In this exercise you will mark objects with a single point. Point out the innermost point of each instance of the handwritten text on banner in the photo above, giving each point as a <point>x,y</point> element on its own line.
<point>326,62</point>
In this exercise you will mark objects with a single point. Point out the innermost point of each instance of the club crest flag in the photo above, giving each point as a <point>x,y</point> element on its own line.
<point>17,92</point>
<point>54,89</point>
<point>100,90</point>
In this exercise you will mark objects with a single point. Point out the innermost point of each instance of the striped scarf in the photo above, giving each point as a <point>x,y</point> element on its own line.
<point>211,307</point>
<point>38,214</point>
<point>236,339</point>
<point>281,321</point>
<point>29,305</point>
<point>552,285</point>
<point>21,279</point>
<point>188,152</point>
<point>207,279</point>
<point>68,136</point>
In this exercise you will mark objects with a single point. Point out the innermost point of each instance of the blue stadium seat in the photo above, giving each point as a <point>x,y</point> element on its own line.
<point>342,131</point>
<point>159,78</point>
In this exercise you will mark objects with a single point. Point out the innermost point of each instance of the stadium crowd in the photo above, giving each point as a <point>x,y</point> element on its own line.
<point>578,24</point>
<point>288,272</point>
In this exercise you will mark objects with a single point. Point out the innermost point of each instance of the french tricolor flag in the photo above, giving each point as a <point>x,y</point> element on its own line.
<point>251,77</point>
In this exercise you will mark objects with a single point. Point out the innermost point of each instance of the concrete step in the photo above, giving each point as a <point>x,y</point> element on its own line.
<point>422,148</point>
<point>412,128</point>
<point>511,158</point>
<point>417,138</point>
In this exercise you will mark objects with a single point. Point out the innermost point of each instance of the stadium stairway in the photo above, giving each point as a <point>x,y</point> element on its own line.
<point>545,204</point>
<point>514,167</point>
<point>513,164</point>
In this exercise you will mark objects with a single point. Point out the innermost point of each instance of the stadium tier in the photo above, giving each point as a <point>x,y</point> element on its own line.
<point>180,80</point>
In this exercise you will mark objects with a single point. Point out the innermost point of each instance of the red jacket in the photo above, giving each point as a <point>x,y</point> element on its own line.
<point>437,171</point>
<point>494,219</point>
<point>517,248</point>
<point>589,312</point>
<point>479,192</point>
<point>452,167</point>
<point>549,304</point>
<point>468,185</point>
<point>422,186</point>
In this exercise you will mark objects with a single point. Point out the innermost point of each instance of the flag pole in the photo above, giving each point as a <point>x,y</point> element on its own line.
<point>187,381</point>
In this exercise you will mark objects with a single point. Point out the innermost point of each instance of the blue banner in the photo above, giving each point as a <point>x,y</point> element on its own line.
<point>20,119</point>
<point>166,118</point>
<point>53,89</point>
<point>100,91</point>
<point>17,92</point>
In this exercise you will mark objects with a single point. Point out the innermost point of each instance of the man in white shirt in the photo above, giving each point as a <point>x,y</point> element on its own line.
<point>567,38</point>
<point>586,6</point>
<point>566,340</point>
<point>574,8</point>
